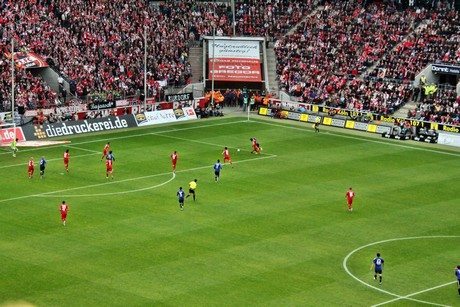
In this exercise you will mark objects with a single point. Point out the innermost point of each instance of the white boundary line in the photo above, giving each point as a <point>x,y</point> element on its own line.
<point>205,143</point>
<point>84,149</point>
<point>222,124</point>
<point>54,159</point>
<point>366,139</point>
<point>130,135</point>
<point>415,293</point>
<point>121,137</point>
<point>398,297</point>
<point>50,194</point>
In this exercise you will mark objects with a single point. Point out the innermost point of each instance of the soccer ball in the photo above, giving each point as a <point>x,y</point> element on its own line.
<point>238,149</point>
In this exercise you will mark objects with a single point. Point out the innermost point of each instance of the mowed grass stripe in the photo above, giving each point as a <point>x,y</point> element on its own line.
<point>273,231</point>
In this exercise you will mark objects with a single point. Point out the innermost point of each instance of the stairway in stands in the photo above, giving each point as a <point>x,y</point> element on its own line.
<point>195,58</point>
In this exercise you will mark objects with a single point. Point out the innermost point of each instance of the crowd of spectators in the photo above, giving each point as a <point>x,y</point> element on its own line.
<point>435,41</point>
<point>271,19</point>
<point>31,91</point>
<point>327,59</point>
<point>442,107</point>
<point>99,45</point>
<point>338,43</point>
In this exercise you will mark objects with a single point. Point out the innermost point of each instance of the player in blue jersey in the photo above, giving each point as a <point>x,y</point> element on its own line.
<point>110,156</point>
<point>181,195</point>
<point>217,168</point>
<point>377,264</point>
<point>457,273</point>
<point>42,166</point>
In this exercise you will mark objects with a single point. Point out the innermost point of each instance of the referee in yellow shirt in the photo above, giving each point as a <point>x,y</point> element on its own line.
<point>191,189</point>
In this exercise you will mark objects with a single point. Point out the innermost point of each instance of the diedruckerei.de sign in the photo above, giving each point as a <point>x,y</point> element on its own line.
<point>34,132</point>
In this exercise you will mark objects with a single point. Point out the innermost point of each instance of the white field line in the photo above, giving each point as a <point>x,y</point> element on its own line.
<point>124,137</point>
<point>85,149</point>
<point>111,138</point>
<point>250,121</point>
<point>51,193</point>
<point>54,159</point>
<point>415,293</point>
<point>398,297</point>
<point>205,143</point>
<point>366,139</point>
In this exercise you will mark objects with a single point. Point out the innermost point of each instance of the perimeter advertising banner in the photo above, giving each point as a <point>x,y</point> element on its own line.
<point>101,105</point>
<point>7,135</point>
<point>165,116</point>
<point>184,97</point>
<point>329,120</point>
<point>40,132</point>
<point>445,69</point>
<point>421,124</point>
<point>233,60</point>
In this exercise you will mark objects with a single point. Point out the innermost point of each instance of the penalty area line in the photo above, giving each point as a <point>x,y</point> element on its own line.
<point>48,160</point>
<point>201,142</point>
<point>51,193</point>
<point>364,139</point>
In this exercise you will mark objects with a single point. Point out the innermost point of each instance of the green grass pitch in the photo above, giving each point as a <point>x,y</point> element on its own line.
<point>274,231</point>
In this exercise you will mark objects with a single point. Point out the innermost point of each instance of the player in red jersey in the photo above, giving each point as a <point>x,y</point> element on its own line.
<point>63,208</point>
<point>350,195</point>
<point>66,160</point>
<point>174,156</point>
<point>226,154</point>
<point>106,150</point>
<point>31,167</point>
<point>109,164</point>
<point>255,146</point>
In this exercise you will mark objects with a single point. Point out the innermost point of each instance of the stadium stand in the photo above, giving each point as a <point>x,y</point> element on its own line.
<point>349,54</point>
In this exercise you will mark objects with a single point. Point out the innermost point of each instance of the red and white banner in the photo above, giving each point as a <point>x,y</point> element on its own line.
<point>235,70</point>
<point>7,135</point>
<point>234,60</point>
<point>27,60</point>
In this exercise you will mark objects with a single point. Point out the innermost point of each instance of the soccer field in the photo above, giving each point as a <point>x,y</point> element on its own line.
<point>274,231</point>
